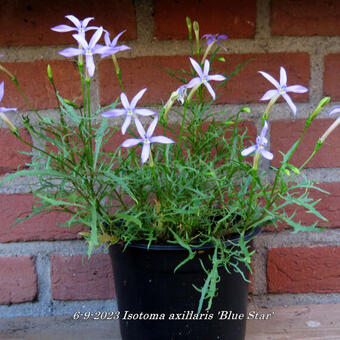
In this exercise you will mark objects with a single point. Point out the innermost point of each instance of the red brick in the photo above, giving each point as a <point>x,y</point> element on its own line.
<point>251,279</point>
<point>246,87</point>
<point>32,77</point>
<point>305,18</point>
<point>18,280</point>
<point>10,157</point>
<point>303,270</point>
<point>138,73</point>
<point>330,78</point>
<point>28,23</point>
<point>77,278</point>
<point>41,227</point>
<point>282,141</point>
<point>237,19</point>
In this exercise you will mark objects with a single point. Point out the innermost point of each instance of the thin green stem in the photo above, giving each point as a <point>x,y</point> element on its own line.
<point>271,201</point>
<point>89,120</point>
<point>118,73</point>
<point>270,105</point>
<point>81,69</point>
<point>192,92</point>
<point>181,129</point>
<point>15,81</point>
<point>152,167</point>
<point>62,119</point>
<point>251,194</point>
<point>316,149</point>
<point>119,196</point>
<point>46,153</point>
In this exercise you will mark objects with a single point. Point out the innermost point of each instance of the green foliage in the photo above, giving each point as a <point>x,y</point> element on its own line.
<point>199,191</point>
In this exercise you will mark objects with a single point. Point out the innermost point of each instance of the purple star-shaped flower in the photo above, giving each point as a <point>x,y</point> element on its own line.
<point>261,142</point>
<point>282,88</point>
<point>87,49</point>
<point>129,110</point>
<point>112,45</point>
<point>6,109</point>
<point>146,139</point>
<point>204,77</point>
<point>214,38</point>
<point>80,26</point>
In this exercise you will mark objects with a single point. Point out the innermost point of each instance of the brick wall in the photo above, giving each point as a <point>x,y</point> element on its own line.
<point>41,267</point>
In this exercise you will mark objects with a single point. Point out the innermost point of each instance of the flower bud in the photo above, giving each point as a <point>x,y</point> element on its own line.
<point>189,24</point>
<point>324,101</point>
<point>8,122</point>
<point>196,30</point>
<point>197,36</point>
<point>49,73</point>
<point>196,27</point>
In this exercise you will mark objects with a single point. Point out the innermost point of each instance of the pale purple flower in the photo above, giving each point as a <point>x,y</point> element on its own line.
<point>80,26</point>
<point>2,91</point>
<point>204,77</point>
<point>182,93</point>
<point>214,38</point>
<point>87,49</point>
<point>129,110</point>
<point>334,109</point>
<point>112,45</point>
<point>146,139</point>
<point>261,142</point>
<point>282,88</point>
<point>6,109</point>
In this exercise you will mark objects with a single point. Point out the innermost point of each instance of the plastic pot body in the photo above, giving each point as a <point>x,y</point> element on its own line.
<point>156,303</point>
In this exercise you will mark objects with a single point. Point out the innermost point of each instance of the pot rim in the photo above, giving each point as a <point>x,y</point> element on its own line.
<point>173,247</point>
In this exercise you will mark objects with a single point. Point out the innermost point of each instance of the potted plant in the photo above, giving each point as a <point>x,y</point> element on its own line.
<point>180,217</point>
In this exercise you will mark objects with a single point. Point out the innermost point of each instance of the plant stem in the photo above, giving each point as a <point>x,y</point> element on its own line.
<point>89,125</point>
<point>81,69</point>
<point>181,129</point>
<point>271,201</point>
<point>118,73</point>
<point>192,92</point>
<point>269,107</point>
<point>207,51</point>
<point>251,194</point>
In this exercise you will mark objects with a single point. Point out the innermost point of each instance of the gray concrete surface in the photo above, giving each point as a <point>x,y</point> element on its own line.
<point>308,322</point>
<point>58,328</point>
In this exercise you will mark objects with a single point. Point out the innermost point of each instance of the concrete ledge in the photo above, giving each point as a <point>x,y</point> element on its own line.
<point>58,328</point>
<point>287,322</point>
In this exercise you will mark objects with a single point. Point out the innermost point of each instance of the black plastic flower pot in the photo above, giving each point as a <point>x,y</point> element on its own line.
<point>156,303</point>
